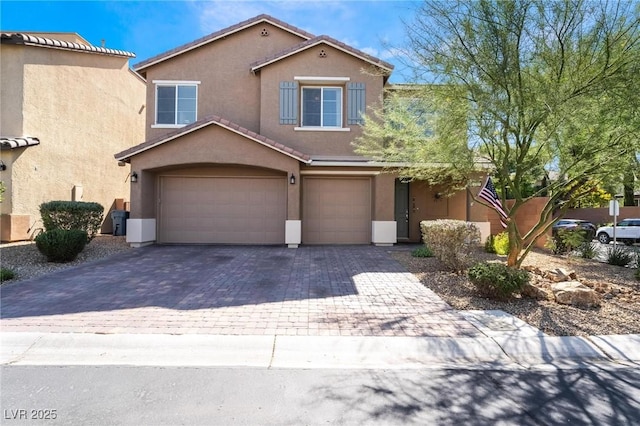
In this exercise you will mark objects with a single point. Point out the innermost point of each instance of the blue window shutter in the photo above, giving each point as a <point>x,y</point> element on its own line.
<point>356,103</point>
<point>288,102</point>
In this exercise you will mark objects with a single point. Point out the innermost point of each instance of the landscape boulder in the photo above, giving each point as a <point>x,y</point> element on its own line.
<point>576,294</point>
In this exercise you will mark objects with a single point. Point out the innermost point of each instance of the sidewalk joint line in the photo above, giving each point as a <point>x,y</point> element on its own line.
<point>23,354</point>
<point>273,352</point>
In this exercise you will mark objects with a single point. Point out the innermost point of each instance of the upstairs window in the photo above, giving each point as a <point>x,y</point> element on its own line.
<point>176,103</point>
<point>318,103</point>
<point>321,107</point>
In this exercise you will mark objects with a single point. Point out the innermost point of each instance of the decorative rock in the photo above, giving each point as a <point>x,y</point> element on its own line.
<point>536,292</point>
<point>576,294</point>
<point>559,275</point>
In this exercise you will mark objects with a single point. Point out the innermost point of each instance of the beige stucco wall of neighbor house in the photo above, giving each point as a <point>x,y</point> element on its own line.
<point>307,63</point>
<point>83,108</point>
<point>212,151</point>
<point>223,67</point>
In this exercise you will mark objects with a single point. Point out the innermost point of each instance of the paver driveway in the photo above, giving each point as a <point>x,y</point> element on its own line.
<point>323,290</point>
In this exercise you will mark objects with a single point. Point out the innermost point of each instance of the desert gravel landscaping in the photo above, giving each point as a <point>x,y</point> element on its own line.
<point>27,262</point>
<point>619,312</point>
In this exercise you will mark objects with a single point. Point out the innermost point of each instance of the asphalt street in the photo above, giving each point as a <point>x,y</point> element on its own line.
<point>121,395</point>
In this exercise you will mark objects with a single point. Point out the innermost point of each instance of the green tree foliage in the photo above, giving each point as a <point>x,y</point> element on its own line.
<point>526,85</point>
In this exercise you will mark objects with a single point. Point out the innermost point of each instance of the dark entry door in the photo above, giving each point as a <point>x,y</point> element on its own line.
<point>402,209</point>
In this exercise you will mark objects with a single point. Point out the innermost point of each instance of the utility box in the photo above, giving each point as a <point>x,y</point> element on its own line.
<point>119,218</point>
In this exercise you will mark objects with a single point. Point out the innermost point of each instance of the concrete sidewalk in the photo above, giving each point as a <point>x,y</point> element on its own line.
<point>366,352</point>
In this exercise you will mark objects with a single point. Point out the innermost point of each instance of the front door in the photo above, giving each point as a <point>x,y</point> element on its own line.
<point>402,209</point>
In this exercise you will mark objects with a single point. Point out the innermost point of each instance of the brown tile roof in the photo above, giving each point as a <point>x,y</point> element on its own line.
<point>204,122</point>
<point>33,40</point>
<point>323,39</point>
<point>219,34</point>
<point>12,143</point>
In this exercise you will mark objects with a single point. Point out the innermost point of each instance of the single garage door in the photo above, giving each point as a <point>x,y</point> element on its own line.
<point>336,210</point>
<point>222,210</point>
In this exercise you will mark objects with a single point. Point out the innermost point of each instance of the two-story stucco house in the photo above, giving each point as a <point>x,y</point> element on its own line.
<point>248,141</point>
<point>66,107</point>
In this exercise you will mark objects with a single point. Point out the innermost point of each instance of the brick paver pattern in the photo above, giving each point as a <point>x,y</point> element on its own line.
<point>312,290</point>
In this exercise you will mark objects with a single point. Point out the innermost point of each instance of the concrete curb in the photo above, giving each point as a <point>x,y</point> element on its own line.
<point>506,352</point>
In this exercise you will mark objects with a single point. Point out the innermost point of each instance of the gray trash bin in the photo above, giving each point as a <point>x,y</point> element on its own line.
<point>119,218</point>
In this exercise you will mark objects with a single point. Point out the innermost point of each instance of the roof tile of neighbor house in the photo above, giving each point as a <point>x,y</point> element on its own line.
<point>32,40</point>
<point>220,34</point>
<point>320,40</point>
<point>12,143</point>
<point>204,122</point>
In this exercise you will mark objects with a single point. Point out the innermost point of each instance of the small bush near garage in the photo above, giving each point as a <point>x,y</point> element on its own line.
<point>501,244</point>
<point>69,215</point>
<point>61,245</point>
<point>453,242</point>
<point>6,274</point>
<point>497,280</point>
<point>422,252</point>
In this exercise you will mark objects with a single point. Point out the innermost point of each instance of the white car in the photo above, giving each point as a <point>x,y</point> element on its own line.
<point>627,231</point>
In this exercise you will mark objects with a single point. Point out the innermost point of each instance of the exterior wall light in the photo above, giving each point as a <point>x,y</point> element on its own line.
<point>134,177</point>
<point>292,179</point>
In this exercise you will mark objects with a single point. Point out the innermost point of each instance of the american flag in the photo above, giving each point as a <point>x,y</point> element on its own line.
<point>489,194</point>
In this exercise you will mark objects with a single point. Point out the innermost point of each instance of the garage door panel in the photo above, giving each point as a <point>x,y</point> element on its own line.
<point>229,210</point>
<point>336,211</point>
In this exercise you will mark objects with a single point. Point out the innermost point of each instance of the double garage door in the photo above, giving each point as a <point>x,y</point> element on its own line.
<point>252,210</point>
<point>222,210</point>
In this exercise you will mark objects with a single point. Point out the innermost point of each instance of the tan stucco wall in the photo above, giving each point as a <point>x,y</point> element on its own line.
<point>83,108</point>
<point>209,147</point>
<point>309,63</point>
<point>227,86</point>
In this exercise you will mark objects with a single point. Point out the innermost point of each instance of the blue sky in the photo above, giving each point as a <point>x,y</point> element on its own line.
<point>151,27</point>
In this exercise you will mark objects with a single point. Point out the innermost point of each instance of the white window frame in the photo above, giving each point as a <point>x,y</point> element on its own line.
<point>339,127</point>
<point>176,84</point>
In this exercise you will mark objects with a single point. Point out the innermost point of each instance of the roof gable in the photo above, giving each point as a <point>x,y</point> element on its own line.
<point>323,39</point>
<point>140,67</point>
<point>207,121</point>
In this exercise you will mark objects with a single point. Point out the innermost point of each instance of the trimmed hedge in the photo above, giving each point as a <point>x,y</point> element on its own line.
<point>72,215</point>
<point>452,242</point>
<point>61,245</point>
<point>497,280</point>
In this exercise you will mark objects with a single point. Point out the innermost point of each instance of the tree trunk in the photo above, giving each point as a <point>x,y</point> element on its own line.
<point>628,182</point>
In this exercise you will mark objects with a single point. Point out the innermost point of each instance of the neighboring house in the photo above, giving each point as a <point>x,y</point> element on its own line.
<point>248,141</point>
<point>66,107</point>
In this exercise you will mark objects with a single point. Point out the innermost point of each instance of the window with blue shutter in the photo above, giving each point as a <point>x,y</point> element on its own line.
<point>288,102</point>
<point>356,103</point>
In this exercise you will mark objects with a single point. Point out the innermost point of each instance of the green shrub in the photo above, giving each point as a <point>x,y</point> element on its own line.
<point>422,252</point>
<point>452,241</point>
<point>72,215</point>
<point>618,256</point>
<point>489,245</point>
<point>587,250</point>
<point>565,241</point>
<point>501,243</point>
<point>61,245</point>
<point>497,280</point>
<point>6,274</point>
